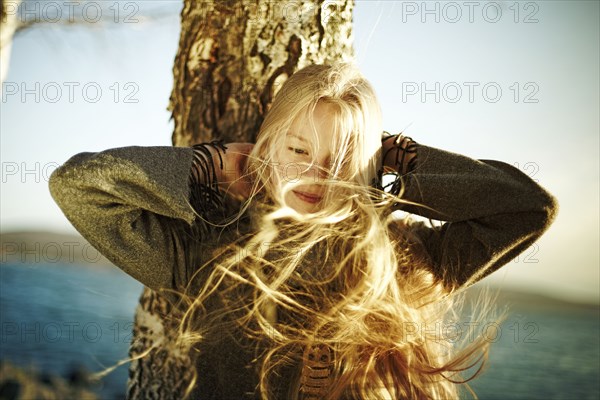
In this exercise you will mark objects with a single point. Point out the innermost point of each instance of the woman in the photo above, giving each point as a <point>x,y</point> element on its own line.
<point>294,276</point>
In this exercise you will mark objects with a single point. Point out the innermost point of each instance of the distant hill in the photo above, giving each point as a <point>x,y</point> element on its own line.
<point>48,248</point>
<point>51,247</point>
<point>523,301</point>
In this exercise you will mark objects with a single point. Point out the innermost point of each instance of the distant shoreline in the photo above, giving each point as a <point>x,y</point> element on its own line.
<point>47,247</point>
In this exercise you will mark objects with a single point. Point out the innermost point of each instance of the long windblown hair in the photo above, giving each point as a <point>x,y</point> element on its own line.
<point>349,276</point>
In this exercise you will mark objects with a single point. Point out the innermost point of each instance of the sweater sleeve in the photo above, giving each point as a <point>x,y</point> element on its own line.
<point>490,212</point>
<point>139,206</point>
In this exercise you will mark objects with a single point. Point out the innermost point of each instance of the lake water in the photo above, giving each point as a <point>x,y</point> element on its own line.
<point>54,316</point>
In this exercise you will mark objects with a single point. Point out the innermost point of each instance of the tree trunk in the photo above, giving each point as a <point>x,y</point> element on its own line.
<point>233,57</point>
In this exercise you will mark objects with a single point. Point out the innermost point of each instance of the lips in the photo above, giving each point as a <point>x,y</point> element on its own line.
<point>308,197</point>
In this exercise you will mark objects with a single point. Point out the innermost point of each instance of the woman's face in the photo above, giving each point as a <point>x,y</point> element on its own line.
<point>295,159</point>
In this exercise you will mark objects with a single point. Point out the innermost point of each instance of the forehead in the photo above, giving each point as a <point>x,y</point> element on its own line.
<point>318,126</point>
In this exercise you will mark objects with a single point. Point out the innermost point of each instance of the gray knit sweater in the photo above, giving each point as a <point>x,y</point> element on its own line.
<point>134,205</point>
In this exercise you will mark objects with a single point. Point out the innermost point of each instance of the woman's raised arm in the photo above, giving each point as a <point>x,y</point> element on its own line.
<point>492,211</point>
<point>138,206</point>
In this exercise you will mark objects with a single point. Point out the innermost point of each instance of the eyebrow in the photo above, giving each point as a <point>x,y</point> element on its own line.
<point>297,137</point>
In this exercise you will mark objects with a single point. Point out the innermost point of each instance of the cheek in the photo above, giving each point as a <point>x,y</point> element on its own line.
<point>276,178</point>
<point>289,170</point>
<point>293,172</point>
<point>279,166</point>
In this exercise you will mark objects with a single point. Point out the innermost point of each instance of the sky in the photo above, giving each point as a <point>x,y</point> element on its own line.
<point>504,80</point>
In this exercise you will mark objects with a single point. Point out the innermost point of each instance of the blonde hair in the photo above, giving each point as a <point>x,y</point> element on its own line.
<point>357,119</point>
<point>349,276</point>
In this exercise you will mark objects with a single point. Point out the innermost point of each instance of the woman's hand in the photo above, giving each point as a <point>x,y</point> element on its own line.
<point>233,177</point>
<point>397,153</point>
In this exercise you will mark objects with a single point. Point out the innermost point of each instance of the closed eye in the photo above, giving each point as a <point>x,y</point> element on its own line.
<point>298,150</point>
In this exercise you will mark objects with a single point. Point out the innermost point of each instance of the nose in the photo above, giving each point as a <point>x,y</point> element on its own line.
<point>319,170</point>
